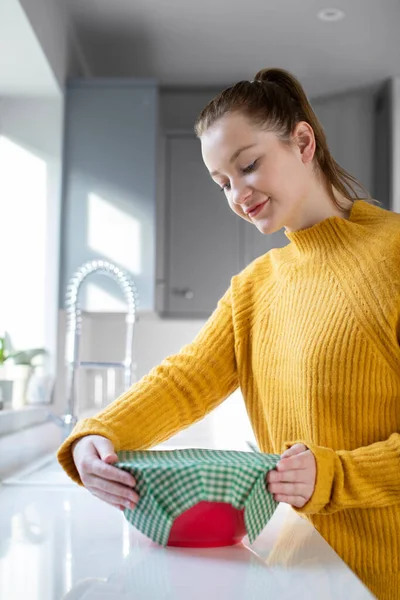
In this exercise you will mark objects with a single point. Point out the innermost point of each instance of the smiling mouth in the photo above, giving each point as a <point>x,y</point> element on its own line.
<point>257,208</point>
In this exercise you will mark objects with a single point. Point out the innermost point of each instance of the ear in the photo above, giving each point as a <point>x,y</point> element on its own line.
<point>304,140</point>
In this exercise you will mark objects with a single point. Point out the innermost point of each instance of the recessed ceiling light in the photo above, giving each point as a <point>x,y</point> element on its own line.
<point>331,14</point>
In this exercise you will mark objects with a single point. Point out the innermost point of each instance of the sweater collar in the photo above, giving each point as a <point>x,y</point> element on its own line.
<point>327,234</point>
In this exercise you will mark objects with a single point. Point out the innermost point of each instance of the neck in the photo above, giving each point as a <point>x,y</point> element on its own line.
<point>327,235</point>
<point>314,211</point>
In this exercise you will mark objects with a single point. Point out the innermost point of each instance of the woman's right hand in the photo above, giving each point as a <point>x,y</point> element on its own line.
<point>93,457</point>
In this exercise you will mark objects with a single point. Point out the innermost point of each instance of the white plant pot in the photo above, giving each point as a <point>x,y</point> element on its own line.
<point>20,375</point>
<point>5,389</point>
<point>40,387</point>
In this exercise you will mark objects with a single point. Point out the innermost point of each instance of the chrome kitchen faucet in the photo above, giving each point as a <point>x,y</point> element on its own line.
<point>68,420</point>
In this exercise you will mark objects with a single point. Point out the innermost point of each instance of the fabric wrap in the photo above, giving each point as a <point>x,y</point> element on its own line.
<point>169,482</point>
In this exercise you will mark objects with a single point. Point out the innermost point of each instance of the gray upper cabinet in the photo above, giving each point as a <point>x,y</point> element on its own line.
<point>109,186</point>
<point>203,234</point>
<point>206,242</point>
<point>384,140</point>
<point>348,122</point>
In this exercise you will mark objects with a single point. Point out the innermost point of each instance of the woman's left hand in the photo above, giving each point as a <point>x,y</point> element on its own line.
<point>293,479</point>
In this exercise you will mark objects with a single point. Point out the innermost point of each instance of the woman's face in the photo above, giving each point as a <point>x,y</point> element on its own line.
<point>263,179</point>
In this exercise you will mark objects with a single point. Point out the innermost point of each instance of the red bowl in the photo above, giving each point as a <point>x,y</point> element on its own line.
<point>208,525</point>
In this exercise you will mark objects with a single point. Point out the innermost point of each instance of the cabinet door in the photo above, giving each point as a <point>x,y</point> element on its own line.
<point>203,233</point>
<point>348,120</point>
<point>383,146</point>
<point>256,243</point>
<point>109,199</point>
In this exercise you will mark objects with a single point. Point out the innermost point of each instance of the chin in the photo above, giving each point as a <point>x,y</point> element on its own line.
<point>265,226</point>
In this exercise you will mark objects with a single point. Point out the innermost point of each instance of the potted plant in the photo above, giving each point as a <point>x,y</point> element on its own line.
<point>16,368</point>
<point>5,384</point>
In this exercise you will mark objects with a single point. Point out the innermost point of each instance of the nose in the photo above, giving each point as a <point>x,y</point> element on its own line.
<point>240,193</point>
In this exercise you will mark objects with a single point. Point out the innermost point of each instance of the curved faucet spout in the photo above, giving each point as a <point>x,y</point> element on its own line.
<point>74,324</point>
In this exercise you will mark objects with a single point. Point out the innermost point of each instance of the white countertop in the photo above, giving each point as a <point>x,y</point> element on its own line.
<point>62,543</point>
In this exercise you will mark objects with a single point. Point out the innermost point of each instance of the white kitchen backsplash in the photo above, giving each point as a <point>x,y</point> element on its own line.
<point>103,338</point>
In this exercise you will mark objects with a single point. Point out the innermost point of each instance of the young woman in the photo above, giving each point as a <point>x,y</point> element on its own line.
<point>310,333</point>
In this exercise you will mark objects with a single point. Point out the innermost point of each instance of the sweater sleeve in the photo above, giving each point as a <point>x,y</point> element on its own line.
<point>181,390</point>
<point>367,477</point>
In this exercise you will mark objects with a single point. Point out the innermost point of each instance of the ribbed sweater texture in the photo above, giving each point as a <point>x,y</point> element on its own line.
<point>310,334</point>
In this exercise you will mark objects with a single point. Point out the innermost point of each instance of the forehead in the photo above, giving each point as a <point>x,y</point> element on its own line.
<point>230,129</point>
<point>226,136</point>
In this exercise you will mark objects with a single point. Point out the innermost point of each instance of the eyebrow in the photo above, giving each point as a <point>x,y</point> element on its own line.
<point>234,157</point>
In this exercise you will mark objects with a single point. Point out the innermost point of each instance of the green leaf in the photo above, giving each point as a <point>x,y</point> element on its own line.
<point>24,357</point>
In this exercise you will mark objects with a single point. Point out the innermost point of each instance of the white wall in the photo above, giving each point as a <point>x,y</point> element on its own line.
<point>55,33</point>
<point>396,144</point>
<point>36,124</point>
<point>24,69</point>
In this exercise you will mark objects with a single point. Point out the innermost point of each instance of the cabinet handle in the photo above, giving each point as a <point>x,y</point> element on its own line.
<point>184,292</point>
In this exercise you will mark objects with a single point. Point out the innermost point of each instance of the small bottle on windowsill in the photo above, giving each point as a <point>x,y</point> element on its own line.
<point>2,375</point>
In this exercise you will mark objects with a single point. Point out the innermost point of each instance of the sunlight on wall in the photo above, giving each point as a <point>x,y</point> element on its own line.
<point>114,234</point>
<point>99,300</point>
<point>23,218</point>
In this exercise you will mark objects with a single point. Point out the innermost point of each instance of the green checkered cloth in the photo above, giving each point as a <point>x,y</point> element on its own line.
<point>169,482</point>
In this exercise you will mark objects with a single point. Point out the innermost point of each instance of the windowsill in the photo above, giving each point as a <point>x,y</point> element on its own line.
<point>12,420</point>
<point>21,448</point>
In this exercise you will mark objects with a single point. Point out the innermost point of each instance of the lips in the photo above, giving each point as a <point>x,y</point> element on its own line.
<point>255,210</point>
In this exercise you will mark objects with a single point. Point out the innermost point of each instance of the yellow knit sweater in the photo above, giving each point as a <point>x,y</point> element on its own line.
<point>310,333</point>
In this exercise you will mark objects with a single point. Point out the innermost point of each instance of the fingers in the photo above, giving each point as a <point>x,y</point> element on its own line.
<point>106,481</point>
<point>116,489</point>
<point>288,483</point>
<point>114,499</point>
<point>297,501</point>
<point>297,461</point>
<point>293,479</point>
<point>105,449</point>
<point>290,489</point>
<point>101,469</point>
<point>293,492</point>
<point>87,457</point>
<point>92,455</point>
<point>293,450</point>
<point>285,476</point>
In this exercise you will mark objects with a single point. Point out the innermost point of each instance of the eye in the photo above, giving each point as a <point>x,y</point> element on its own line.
<point>246,170</point>
<point>250,168</point>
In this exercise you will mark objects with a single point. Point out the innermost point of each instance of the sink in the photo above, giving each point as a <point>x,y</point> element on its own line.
<point>45,471</point>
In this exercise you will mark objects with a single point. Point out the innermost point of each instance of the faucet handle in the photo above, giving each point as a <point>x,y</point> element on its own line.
<point>184,292</point>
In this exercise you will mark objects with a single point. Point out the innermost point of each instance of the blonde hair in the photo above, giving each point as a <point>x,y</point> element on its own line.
<point>276,101</point>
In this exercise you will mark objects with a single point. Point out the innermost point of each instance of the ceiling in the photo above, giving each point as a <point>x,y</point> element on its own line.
<point>217,42</point>
<point>24,70</point>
